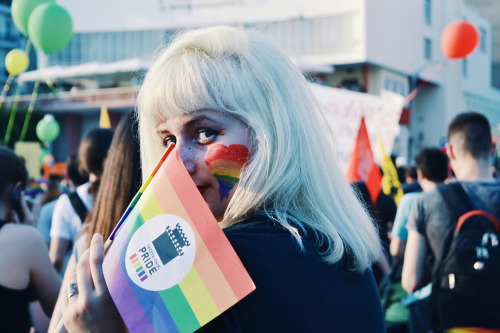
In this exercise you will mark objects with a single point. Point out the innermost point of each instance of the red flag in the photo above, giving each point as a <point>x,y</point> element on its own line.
<point>362,166</point>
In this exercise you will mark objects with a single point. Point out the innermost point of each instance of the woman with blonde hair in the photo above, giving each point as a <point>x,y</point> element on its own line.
<point>224,94</point>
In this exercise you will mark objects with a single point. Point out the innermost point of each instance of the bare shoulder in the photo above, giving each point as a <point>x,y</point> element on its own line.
<point>24,237</point>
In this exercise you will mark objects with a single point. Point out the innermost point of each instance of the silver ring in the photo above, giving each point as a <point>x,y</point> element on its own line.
<point>72,290</point>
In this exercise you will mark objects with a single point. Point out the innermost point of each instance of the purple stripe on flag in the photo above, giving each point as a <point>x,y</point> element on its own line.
<point>144,278</point>
<point>131,310</point>
<point>142,310</point>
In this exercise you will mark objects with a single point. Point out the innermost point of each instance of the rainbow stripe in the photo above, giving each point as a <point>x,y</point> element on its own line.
<point>225,163</point>
<point>471,330</point>
<point>215,281</point>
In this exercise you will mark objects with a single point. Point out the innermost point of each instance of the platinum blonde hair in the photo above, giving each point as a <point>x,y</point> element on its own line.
<point>292,174</point>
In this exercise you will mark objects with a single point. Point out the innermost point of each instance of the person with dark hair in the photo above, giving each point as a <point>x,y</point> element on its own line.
<point>380,217</point>
<point>71,209</point>
<point>74,177</point>
<point>431,169</point>
<point>24,262</point>
<point>91,155</point>
<point>436,212</point>
<point>401,171</point>
<point>411,183</point>
<point>52,192</point>
<point>121,179</point>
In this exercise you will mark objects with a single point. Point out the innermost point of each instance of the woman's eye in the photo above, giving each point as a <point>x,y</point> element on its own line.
<point>169,139</point>
<point>206,135</point>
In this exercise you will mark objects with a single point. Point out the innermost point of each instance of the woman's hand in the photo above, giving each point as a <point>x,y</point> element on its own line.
<point>92,309</point>
<point>31,210</point>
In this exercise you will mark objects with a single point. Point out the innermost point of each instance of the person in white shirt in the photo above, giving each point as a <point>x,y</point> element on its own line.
<point>70,210</point>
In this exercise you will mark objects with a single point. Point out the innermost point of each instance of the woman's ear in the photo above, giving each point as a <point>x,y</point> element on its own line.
<point>449,151</point>
<point>16,189</point>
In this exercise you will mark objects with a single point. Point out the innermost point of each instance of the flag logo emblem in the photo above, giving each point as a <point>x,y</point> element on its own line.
<point>161,252</point>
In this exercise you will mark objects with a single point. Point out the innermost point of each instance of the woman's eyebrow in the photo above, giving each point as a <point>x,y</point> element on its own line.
<point>193,121</point>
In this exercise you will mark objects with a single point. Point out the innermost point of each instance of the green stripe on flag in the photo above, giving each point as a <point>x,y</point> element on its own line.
<point>134,221</point>
<point>179,309</point>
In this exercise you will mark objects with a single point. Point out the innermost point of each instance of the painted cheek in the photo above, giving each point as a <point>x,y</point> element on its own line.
<point>225,163</point>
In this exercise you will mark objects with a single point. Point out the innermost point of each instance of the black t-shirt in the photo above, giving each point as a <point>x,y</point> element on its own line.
<point>296,290</point>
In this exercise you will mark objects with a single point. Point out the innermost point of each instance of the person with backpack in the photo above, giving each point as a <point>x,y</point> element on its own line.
<point>71,209</point>
<point>453,235</point>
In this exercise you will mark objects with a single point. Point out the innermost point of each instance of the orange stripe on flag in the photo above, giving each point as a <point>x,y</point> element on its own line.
<point>204,263</point>
<point>204,218</point>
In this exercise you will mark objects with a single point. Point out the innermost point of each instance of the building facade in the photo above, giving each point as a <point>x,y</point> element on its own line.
<point>491,10</point>
<point>374,45</point>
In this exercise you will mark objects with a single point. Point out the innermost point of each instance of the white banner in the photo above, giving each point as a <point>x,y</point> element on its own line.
<point>343,110</point>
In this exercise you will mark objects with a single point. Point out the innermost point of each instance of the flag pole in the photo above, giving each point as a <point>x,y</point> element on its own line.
<point>137,196</point>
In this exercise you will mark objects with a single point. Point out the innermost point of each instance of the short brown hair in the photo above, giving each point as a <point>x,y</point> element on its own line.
<point>433,164</point>
<point>475,131</point>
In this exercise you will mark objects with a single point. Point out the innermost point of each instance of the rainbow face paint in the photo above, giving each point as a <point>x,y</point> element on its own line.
<point>225,163</point>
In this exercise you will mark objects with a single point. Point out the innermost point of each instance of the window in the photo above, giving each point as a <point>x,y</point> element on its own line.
<point>428,12</point>
<point>482,40</point>
<point>427,49</point>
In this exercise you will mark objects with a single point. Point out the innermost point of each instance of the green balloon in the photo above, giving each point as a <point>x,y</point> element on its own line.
<point>21,11</point>
<point>50,27</point>
<point>47,129</point>
<point>44,152</point>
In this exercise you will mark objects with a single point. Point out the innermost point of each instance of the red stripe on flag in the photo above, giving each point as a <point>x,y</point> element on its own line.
<point>362,166</point>
<point>200,214</point>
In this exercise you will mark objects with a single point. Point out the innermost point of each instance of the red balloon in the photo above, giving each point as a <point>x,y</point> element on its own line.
<point>459,39</point>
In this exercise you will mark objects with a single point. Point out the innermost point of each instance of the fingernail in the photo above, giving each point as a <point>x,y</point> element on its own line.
<point>97,238</point>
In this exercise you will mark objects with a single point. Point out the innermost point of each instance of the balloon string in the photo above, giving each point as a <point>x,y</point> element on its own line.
<point>30,111</point>
<point>28,47</point>
<point>6,88</point>
<point>415,91</point>
<point>13,113</point>
<point>50,84</point>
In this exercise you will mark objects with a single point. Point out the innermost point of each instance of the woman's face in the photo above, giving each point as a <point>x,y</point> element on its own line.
<point>214,148</point>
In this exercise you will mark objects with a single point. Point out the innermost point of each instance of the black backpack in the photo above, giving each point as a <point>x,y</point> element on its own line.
<point>466,276</point>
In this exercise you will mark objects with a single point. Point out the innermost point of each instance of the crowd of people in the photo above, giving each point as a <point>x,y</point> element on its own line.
<point>323,256</point>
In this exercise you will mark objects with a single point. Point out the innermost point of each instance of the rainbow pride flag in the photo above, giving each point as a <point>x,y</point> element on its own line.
<point>170,267</point>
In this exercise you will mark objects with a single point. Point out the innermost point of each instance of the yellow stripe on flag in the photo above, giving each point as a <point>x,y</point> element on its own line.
<point>104,121</point>
<point>198,297</point>
<point>210,271</point>
<point>149,206</point>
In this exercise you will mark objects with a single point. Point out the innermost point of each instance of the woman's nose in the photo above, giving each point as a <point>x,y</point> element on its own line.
<point>188,158</point>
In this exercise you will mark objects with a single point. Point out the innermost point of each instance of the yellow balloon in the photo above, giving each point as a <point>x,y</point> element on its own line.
<point>16,62</point>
